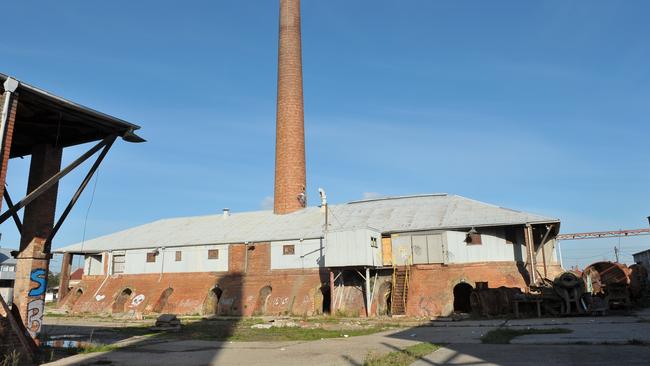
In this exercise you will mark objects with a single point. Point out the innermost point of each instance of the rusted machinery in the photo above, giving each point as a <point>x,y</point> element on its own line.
<point>561,296</point>
<point>492,301</point>
<point>599,287</point>
<point>609,281</point>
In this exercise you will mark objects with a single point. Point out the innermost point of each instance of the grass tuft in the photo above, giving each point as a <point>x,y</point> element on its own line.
<point>401,358</point>
<point>505,335</point>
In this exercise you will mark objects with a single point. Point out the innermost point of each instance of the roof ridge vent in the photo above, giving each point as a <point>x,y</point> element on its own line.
<point>399,197</point>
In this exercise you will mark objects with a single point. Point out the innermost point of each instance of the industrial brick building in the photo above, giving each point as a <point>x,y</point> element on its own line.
<point>264,263</point>
<point>413,255</point>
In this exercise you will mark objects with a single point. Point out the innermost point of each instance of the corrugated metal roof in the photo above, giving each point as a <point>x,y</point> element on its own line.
<point>396,214</point>
<point>5,256</point>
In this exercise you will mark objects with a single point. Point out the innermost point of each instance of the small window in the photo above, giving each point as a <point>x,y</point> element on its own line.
<point>289,249</point>
<point>118,263</point>
<point>474,239</point>
<point>179,256</point>
<point>213,253</point>
<point>151,257</point>
<point>373,242</point>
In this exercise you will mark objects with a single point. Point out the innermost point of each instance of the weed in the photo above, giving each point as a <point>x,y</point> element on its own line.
<point>401,358</point>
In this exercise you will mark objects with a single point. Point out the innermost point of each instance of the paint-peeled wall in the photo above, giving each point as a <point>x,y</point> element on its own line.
<point>359,247</point>
<point>493,247</point>
<point>200,258</point>
<point>297,254</point>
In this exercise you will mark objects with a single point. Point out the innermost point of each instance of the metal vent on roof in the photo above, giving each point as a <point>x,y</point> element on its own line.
<point>398,197</point>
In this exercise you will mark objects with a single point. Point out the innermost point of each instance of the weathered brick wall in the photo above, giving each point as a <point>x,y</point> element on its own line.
<point>293,291</point>
<point>8,139</point>
<point>431,286</point>
<point>290,174</point>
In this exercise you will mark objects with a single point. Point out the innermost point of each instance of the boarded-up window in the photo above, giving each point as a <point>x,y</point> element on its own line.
<point>213,254</point>
<point>118,263</point>
<point>474,239</point>
<point>289,249</point>
<point>151,257</point>
<point>511,235</point>
<point>179,256</point>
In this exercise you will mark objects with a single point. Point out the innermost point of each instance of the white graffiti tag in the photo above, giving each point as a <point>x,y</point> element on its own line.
<point>137,300</point>
<point>35,316</point>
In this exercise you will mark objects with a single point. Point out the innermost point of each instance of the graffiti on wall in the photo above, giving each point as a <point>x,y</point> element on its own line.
<point>35,306</point>
<point>137,300</point>
<point>39,276</point>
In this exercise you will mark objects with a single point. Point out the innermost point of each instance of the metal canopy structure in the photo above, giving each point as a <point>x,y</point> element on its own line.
<point>40,124</point>
<point>44,118</point>
<point>604,234</point>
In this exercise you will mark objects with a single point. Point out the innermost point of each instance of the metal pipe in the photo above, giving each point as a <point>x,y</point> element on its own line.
<point>367,292</point>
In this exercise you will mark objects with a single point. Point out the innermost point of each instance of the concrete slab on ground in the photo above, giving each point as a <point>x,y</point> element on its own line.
<point>526,355</point>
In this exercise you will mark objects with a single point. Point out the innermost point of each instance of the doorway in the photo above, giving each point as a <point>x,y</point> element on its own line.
<point>462,292</point>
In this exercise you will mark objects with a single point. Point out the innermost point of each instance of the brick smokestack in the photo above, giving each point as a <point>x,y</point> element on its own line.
<point>290,171</point>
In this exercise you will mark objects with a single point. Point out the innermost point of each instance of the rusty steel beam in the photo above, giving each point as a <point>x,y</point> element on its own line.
<point>10,204</point>
<point>77,194</point>
<point>603,234</point>
<point>53,180</point>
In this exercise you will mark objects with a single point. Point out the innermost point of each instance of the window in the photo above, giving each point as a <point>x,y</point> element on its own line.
<point>288,249</point>
<point>373,242</point>
<point>179,256</point>
<point>213,253</point>
<point>118,263</point>
<point>151,257</point>
<point>473,239</point>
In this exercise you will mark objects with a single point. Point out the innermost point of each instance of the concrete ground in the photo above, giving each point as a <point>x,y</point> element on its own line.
<point>594,341</point>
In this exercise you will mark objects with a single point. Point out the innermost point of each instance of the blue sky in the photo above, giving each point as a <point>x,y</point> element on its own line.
<point>537,106</point>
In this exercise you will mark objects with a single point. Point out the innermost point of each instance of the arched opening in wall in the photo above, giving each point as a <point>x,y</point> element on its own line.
<point>122,301</point>
<point>384,298</point>
<point>211,303</point>
<point>462,292</point>
<point>74,297</point>
<point>263,299</point>
<point>327,298</point>
<point>162,300</point>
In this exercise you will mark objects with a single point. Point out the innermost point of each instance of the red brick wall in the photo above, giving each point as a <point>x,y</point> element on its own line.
<point>431,286</point>
<point>8,139</point>
<point>293,291</point>
<point>290,174</point>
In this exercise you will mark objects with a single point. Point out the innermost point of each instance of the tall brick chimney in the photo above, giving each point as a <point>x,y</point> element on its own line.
<point>290,172</point>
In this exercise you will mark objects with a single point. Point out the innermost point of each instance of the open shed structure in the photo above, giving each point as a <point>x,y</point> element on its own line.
<point>41,125</point>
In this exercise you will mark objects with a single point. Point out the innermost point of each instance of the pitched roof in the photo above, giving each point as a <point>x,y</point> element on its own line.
<point>391,214</point>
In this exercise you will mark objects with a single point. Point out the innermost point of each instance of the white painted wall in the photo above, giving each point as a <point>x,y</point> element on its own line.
<point>494,247</point>
<point>307,254</point>
<point>193,259</point>
<point>93,265</point>
<point>352,248</point>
